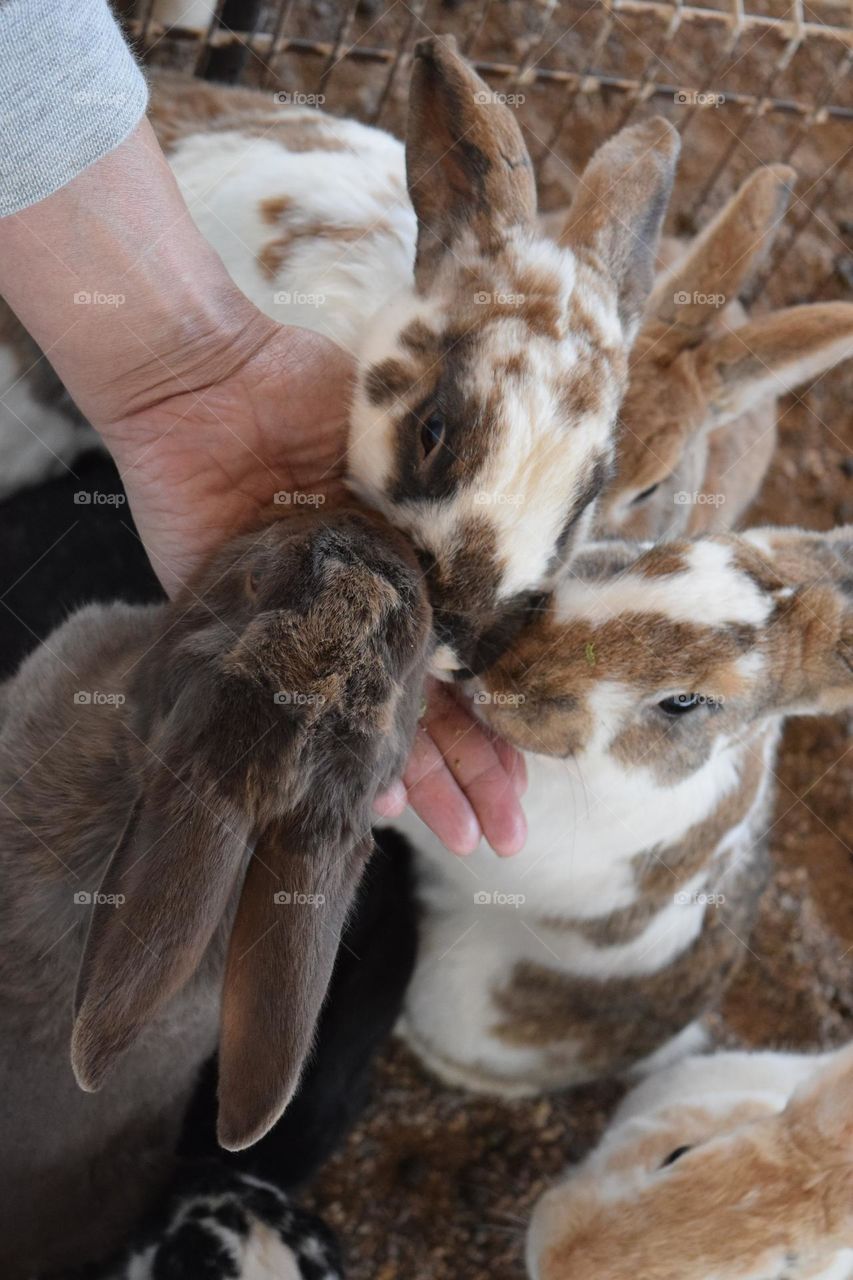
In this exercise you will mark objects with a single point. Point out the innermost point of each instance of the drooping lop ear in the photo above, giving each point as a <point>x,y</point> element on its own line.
<point>772,355</point>
<point>283,946</point>
<point>721,258</point>
<point>466,163</point>
<point>165,890</point>
<point>617,214</point>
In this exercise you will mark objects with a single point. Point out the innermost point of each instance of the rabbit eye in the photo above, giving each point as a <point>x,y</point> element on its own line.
<point>253,581</point>
<point>647,493</point>
<point>432,433</point>
<point>684,702</point>
<point>675,1155</point>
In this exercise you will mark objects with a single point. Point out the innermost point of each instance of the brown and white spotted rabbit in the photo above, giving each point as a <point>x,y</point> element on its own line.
<point>648,695</point>
<point>187,797</point>
<point>490,362</point>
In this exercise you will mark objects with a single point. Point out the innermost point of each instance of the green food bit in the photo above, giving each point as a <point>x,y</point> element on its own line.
<point>590,654</point>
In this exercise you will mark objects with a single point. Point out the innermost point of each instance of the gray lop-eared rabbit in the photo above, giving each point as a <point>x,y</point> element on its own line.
<point>186,808</point>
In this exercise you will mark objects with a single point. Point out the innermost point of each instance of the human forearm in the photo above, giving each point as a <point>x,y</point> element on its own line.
<point>115,282</point>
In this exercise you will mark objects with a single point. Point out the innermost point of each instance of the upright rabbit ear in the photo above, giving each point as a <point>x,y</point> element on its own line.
<point>285,939</point>
<point>165,891</point>
<point>772,355</point>
<point>714,269</point>
<point>617,214</point>
<point>467,166</point>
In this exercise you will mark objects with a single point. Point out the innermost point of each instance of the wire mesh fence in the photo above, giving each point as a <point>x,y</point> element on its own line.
<point>744,87</point>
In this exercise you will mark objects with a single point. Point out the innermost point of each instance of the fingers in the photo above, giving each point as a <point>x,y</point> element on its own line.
<point>436,796</point>
<point>463,783</point>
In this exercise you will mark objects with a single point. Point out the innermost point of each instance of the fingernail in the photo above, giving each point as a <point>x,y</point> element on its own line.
<point>515,842</point>
<point>469,838</point>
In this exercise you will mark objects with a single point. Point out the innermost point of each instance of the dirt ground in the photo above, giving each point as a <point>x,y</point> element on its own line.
<point>435,1183</point>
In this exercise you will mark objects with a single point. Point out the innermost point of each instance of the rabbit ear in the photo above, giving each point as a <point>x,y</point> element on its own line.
<point>822,1107</point>
<point>770,356</point>
<point>283,946</point>
<point>164,893</point>
<point>809,638</point>
<point>466,163</point>
<point>618,212</point>
<point>716,266</point>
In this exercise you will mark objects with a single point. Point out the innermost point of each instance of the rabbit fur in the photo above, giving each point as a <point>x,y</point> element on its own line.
<point>736,1166</point>
<point>697,426</point>
<point>602,945</point>
<point>205,754</point>
<point>490,361</point>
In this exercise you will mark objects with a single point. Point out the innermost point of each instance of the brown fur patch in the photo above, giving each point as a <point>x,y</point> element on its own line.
<point>181,106</point>
<point>608,1025</point>
<point>388,381</point>
<point>274,208</point>
<point>273,254</point>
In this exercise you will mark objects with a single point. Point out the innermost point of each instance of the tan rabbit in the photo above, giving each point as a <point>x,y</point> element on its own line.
<point>491,363</point>
<point>697,427</point>
<point>648,695</point>
<point>187,800</point>
<point>736,1166</point>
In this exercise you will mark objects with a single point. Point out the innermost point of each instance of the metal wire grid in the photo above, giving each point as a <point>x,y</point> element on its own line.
<point>247,40</point>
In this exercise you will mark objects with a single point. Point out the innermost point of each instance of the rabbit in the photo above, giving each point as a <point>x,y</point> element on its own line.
<point>491,362</point>
<point>697,426</point>
<point>220,755</point>
<point>648,695</point>
<point>221,1224</point>
<point>59,555</point>
<point>736,1166</point>
<point>372,971</point>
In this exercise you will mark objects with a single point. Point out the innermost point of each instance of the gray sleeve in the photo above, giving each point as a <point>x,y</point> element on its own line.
<point>70,91</point>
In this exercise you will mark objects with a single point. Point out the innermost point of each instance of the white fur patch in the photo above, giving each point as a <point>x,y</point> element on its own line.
<point>710,592</point>
<point>324,283</point>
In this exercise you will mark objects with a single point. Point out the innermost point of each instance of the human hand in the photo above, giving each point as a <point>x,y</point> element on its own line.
<point>209,408</point>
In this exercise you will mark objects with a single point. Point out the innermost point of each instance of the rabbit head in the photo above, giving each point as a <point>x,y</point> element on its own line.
<point>700,366</point>
<point>485,404</point>
<point>723,1185</point>
<point>280,694</point>
<point>659,657</point>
